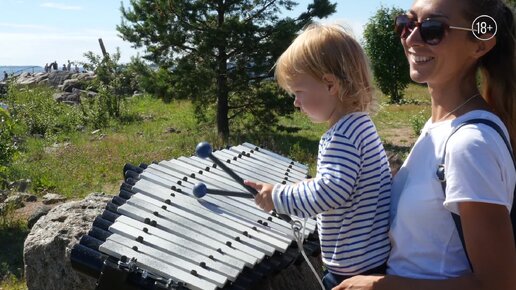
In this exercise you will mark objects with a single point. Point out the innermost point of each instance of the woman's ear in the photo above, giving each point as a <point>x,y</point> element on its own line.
<point>331,81</point>
<point>484,46</point>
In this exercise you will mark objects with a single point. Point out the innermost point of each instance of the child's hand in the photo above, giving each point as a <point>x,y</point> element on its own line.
<point>264,197</point>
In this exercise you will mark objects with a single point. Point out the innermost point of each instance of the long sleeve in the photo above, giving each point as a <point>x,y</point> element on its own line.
<point>338,168</point>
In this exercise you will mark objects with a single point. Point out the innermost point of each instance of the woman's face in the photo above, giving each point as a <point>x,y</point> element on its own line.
<point>452,56</point>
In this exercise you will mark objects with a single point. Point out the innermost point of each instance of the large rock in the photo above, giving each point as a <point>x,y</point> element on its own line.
<point>31,79</point>
<point>73,98</point>
<point>46,252</point>
<point>57,78</point>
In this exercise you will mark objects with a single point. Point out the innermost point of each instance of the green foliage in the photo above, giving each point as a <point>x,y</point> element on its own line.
<point>35,112</point>
<point>217,52</point>
<point>7,143</point>
<point>95,111</point>
<point>158,83</point>
<point>417,121</point>
<point>114,82</point>
<point>8,146</point>
<point>390,66</point>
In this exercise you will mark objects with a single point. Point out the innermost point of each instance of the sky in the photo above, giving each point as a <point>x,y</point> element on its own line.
<point>35,32</point>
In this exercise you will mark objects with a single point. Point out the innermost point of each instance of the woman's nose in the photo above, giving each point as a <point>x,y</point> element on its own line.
<point>414,38</point>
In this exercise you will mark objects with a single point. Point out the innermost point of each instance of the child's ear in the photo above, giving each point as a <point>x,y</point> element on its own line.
<point>331,81</point>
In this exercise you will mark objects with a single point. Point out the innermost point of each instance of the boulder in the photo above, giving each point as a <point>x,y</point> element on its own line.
<point>15,201</point>
<point>88,76</point>
<point>73,98</point>
<point>46,252</point>
<point>51,198</point>
<point>37,214</point>
<point>71,84</point>
<point>57,78</point>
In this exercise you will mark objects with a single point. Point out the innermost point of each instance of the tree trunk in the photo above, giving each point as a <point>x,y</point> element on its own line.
<point>222,82</point>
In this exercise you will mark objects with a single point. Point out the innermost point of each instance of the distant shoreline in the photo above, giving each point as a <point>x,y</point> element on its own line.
<point>19,69</point>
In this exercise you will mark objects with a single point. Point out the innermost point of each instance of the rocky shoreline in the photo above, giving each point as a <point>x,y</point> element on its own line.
<point>71,86</point>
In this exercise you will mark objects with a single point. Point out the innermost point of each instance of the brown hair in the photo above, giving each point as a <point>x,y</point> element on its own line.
<point>498,66</point>
<point>329,49</point>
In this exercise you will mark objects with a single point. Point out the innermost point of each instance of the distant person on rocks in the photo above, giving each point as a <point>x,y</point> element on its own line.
<point>64,67</point>
<point>54,65</point>
<point>76,69</point>
<point>69,67</point>
<point>5,75</point>
<point>47,68</point>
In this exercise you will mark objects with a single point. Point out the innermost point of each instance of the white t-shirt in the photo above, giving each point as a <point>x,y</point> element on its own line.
<point>479,168</point>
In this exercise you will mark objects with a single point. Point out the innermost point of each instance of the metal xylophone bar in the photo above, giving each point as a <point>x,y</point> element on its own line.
<point>179,169</point>
<point>206,244</point>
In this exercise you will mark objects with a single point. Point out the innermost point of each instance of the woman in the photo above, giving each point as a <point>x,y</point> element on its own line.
<point>427,252</point>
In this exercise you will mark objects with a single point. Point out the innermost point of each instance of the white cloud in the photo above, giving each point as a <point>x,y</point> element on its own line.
<point>60,6</point>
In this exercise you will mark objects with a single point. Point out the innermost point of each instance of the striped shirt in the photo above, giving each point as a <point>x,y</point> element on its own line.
<point>350,196</point>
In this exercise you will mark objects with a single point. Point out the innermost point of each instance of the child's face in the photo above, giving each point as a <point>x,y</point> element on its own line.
<point>313,97</point>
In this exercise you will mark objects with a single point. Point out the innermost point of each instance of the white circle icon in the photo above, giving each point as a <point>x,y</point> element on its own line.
<point>484,24</point>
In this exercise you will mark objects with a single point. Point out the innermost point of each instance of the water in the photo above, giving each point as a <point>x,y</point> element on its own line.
<point>18,69</point>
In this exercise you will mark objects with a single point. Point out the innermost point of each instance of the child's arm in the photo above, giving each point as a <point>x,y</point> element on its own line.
<point>335,182</point>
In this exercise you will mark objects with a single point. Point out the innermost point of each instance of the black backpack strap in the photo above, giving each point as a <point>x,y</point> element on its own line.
<point>442,178</point>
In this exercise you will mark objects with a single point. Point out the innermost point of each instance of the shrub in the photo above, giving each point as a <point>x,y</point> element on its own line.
<point>8,146</point>
<point>418,121</point>
<point>37,113</point>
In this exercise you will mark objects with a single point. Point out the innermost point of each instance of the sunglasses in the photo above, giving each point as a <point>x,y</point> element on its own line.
<point>432,30</point>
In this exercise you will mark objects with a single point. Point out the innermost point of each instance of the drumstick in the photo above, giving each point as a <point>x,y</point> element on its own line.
<point>200,190</point>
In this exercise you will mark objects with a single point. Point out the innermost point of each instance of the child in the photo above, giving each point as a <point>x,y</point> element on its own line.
<point>327,72</point>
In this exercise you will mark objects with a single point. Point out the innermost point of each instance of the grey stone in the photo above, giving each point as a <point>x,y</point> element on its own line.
<point>71,98</point>
<point>47,248</point>
<point>20,185</point>
<point>51,198</point>
<point>37,214</point>
<point>57,78</point>
<point>71,84</point>
<point>26,197</point>
<point>31,79</point>
<point>15,201</point>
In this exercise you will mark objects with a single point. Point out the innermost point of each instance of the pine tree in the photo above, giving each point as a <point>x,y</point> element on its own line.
<point>220,51</point>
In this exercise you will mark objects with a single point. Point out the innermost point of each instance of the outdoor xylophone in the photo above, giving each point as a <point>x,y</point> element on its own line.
<point>190,223</point>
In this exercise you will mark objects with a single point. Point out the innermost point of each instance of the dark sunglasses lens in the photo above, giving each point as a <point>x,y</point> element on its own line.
<point>400,25</point>
<point>432,31</point>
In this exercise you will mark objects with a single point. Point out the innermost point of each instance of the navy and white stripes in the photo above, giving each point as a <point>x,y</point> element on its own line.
<point>350,196</point>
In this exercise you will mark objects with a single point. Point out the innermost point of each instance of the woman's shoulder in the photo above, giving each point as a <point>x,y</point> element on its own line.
<point>477,137</point>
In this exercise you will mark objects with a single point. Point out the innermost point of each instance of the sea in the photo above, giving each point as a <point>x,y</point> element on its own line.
<point>18,69</point>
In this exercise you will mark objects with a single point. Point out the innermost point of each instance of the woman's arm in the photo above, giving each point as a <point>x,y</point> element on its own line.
<point>490,243</point>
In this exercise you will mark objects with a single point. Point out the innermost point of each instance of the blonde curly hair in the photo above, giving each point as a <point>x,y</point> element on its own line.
<point>329,49</point>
